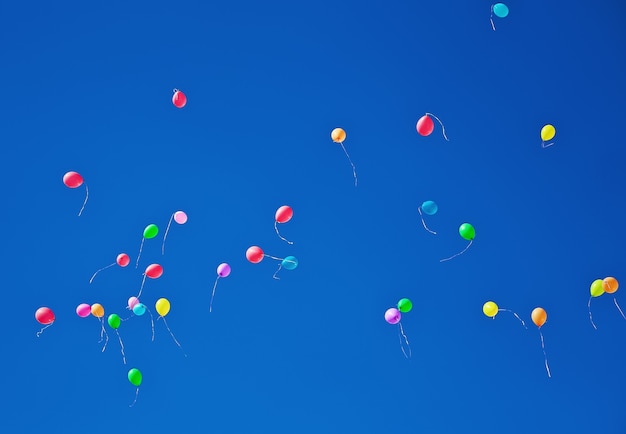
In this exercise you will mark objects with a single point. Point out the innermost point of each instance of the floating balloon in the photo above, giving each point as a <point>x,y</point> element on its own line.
<point>283,215</point>
<point>289,263</point>
<point>45,316</point>
<point>425,125</point>
<point>491,309</point>
<point>405,305</point>
<point>179,217</point>
<point>122,260</point>
<point>153,271</point>
<point>393,316</point>
<point>149,232</point>
<point>500,10</point>
<point>75,180</point>
<point>338,135</point>
<point>223,270</point>
<point>114,321</point>
<point>179,99</point>
<point>539,317</point>
<point>132,302</point>
<point>163,308</point>
<point>254,254</point>
<point>468,232</point>
<point>430,208</point>
<point>596,290</point>
<point>135,378</point>
<point>547,133</point>
<point>139,309</point>
<point>83,310</point>
<point>610,286</point>
<point>97,310</point>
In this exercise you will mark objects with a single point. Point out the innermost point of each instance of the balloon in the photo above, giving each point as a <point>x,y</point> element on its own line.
<point>44,315</point>
<point>139,309</point>
<point>132,302</point>
<point>72,179</point>
<point>548,132</point>
<point>597,288</point>
<point>539,316</point>
<point>122,260</point>
<point>284,214</point>
<point>97,310</point>
<point>150,231</point>
<point>135,377</point>
<point>223,270</point>
<point>114,321</point>
<point>154,271</point>
<point>179,99</point>
<point>180,217</point>
<point>338,135</point>
<point>393,315</point>
<point>83,310</point>
<point>610,285</point>
<point>490,309</point>
<point>405,305</point>
<point>425,125</point>
<point>289,263</point>
<point>429,207</point>
<point>501,10</point>
<point>467,231</point>
<point>254,254</point>
<point>162,306</point>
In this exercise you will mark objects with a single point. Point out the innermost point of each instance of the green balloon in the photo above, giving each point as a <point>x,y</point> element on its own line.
<point>114,321</point>
<point>467,231</point>
<point>150,231</point>
<point>134,376</point>
<point>405,305</point>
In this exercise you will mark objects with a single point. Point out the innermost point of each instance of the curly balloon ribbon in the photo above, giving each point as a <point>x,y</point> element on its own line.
<point>545,357</point>
<point>442,127</point>
<point>85,202</point>
<point>590,316</point>
<point>618,308</point>
<point>136,395</point>
<point>166,231</point>
<point>351,163</point>
<point>140,249</point>
<point>458,254</point>
<point>402,335</point>
<point>419,209</point>
<point>516,316</point>
<point>103,268</point>
<point>42,329</point>
<point>171,334</point>
<point>279,235</point>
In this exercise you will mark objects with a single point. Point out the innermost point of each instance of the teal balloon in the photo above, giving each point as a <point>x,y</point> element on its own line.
<point>139,309</point>
<point>289,263</point>
<point>500,10</point>
<point>429,207</point>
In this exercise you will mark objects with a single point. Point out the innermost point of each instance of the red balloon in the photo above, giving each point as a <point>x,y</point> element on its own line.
<point>425,125</point>
<point>154,271</point>
<point>44,315</point>
<point>284,214</point>
<point>179,99</point>
<point>254,254</point>
<point>123,259</point>
<point>72,179</point>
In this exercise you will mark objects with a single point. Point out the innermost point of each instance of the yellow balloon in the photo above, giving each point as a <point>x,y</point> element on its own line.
<point>490,309</point>
<point>338,135</point>
<point>548,132</point>
<point>97,310</point>
<point>162,306</point>
<point>596,289</point>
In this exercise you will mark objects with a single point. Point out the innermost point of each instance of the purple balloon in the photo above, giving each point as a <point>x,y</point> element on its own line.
<point>393,315</point>
<point>223,270</point>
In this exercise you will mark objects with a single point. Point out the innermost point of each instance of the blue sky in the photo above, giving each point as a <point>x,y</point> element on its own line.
<point>88,88</point>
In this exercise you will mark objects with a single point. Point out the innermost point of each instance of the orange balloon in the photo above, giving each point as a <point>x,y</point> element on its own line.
<point>338,135</point>
<point>97,310</point>
<point>610,285</point>
<point>539,316</point>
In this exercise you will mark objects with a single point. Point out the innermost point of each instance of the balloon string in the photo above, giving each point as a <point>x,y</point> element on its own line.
<point>543,144</point>
<point>273,257</point>
<point>618,308</point>
<point>545,357</point>
<point>171,334</point>
<point>213,294</point>
<point>103,268</point>
<point>279,235</point>
<point>121,346</point>
<point>85,202</point>
<point>351,163</point>
<point>151,322</point>
<point>105,334</point>
<point>516,316</point>
<point>279,267</point>
<point>491,19</point>
<point>591,317</point>
<point>419,209</point>
<point>165,236</point>
<point>43,328</point>
<point>442,127</point>
<point>142,282</point>
<point>402,335</point>
<point>140,249</point>
<point>458,254</point>
<point>136,395</point>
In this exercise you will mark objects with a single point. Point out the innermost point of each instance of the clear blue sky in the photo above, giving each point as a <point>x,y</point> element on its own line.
<point>88,87</point>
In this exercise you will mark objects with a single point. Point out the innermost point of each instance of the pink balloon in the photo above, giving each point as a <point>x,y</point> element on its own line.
<point>123,259</point>
<point>393,315</point>
<point>132,302</point>
<point>83,310</point>
<point>223,270</point>
<point>179,99</point>
<point>154,271</point>
<point>180,217</point>
<point>425,125</point>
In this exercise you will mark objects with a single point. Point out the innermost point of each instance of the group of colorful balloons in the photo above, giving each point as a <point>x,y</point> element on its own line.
<point>393,315</point>
<point>599,287</point>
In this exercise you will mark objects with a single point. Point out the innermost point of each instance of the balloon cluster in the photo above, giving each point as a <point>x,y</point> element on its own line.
<point>393,315</point>
<point>599,287</point>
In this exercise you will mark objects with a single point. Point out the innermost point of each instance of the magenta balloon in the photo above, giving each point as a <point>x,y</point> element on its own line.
<point>223,270</point>
<point>180,217</point>
<point>393,315</point>
<point>132,302</point>
<point>83,310</point>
